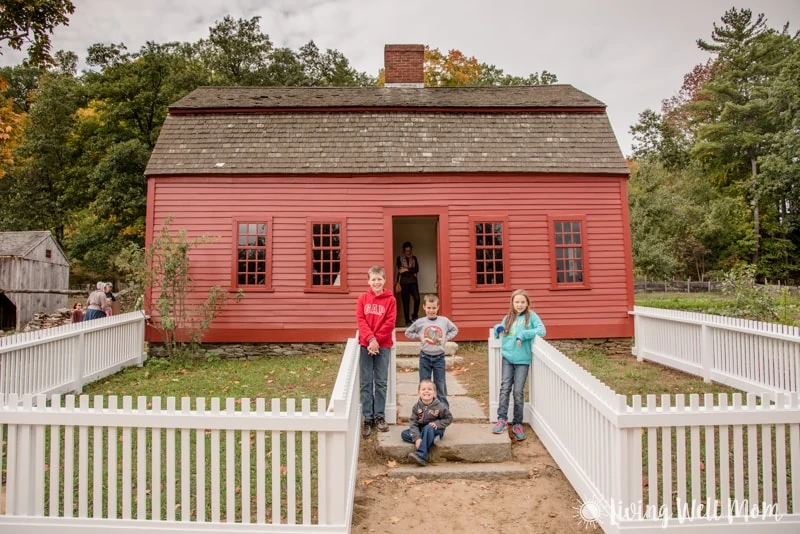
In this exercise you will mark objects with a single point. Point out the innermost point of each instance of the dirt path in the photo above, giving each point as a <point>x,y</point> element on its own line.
<point>544,503</point>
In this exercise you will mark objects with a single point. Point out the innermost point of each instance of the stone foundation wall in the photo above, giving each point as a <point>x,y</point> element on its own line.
<point>253,351</point>
<point>611,346</point>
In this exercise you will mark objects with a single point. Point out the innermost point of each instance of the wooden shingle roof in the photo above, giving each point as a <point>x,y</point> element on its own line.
<point>19,244</point>
<point>267,130</point>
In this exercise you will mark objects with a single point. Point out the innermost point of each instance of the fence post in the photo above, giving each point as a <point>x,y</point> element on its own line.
<point>391,387</point>
<point>637,336</point>
<point>336,479</point>
<point>707,352</point>
<point>627,483</point>
<point>78,351</point>
<point>495,363</point>
<point>142,355</point>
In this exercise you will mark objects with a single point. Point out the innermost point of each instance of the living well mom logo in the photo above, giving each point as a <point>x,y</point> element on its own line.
<point>592,513</point>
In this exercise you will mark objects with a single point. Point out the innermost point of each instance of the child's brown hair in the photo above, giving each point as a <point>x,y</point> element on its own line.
<point>376,269</point>
<point>427,381</point>
<point>512,313</point>
<point>431,298</point>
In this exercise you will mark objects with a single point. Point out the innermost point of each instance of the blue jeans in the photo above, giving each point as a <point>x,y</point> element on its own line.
<point>434,366</point>
<point>428,433</point>
<point>374,375</point>
<point>513,375</point>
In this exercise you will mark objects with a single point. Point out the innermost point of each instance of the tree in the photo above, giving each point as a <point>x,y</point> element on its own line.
<point>42,180</point>
<point>236,52</point>
<point>10,128</point>
<point>455,69</point>
<point>32,23</point>
<point>731,113</point>
<point>164,270</point>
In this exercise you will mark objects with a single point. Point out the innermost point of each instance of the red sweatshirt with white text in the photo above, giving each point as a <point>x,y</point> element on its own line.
<point>376,315</point>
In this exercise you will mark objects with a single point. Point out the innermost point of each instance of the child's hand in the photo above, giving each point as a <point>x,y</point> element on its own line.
<point>418,443</point>
<point>373,347</point>
<point>519,342</point>
<point>433,424</point>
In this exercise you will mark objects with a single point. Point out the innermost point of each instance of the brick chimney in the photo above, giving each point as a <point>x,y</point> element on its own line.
<point>403,64</point>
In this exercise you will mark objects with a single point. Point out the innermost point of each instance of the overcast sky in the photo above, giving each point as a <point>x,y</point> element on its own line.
<point>630,54</point>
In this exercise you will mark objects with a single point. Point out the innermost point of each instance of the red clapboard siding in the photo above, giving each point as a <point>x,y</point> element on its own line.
<point>288,312</point>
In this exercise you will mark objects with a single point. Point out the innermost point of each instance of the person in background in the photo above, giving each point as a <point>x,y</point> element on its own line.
<point>407,267</point>
<point>96,303</point>
<point>77,312</point>
<point>110,298</point>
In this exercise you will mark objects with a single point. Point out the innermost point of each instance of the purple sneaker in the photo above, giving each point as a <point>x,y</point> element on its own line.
<point>499,427</point>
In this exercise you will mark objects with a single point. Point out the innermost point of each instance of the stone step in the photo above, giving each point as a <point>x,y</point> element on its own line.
<point>412,362</point>
<point>461,471</point>
<point>462,442</point>
<point>411,348</point>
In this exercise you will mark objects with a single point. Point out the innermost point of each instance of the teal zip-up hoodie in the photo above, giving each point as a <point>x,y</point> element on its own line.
<point>519,330</point>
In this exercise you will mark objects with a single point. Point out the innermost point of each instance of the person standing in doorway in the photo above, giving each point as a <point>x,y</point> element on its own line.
<point>407,267</point>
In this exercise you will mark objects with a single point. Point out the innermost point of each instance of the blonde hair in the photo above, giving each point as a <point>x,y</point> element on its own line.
<point>512,313</point>
<point>376,269</point>
<point>427,381</point>
<point>431,298</point>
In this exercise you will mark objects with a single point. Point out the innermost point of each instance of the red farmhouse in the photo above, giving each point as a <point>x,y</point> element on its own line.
<point>497,188</point>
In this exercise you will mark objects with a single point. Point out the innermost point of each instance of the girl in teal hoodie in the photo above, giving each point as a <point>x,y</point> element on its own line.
<point>520,326</point>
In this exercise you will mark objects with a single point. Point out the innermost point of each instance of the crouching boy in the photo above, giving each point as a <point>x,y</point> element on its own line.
<point>429,418</point>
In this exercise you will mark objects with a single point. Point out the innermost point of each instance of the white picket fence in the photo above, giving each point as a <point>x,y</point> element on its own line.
<point>150,467</point>
<point>638,467</point>
<point>748,355</point>
<point>65,358</point>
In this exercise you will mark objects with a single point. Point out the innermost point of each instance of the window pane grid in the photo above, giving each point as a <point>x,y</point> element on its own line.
<point>489,254</point>
<point>569,252</point>
<point>326,254</point>
<point>251,254</point>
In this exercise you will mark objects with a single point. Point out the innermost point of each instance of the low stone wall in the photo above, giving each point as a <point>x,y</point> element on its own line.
<point>611,346</point>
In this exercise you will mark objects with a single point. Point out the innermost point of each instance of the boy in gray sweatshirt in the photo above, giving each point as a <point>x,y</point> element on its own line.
<point>433,331</point>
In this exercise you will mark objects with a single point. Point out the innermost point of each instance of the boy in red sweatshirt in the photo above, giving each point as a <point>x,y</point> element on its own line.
<point>376,313</point>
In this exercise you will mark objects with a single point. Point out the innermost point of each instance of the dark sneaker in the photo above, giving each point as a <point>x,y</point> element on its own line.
<point>380,424</point>
<point>366,430</point>
<point>417,458</point>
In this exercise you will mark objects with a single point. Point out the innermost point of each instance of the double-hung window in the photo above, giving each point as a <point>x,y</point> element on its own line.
<point>326,269</point>
<point>252,260</point>
<point>489,261</point>
<point>569,268</point>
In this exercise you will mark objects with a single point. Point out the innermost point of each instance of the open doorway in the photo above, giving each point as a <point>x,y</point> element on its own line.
<point>8,314</point>
<point>422,232</point>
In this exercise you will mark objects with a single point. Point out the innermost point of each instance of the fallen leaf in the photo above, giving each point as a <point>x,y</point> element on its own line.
<point>367,481</point>
<point>394,520</point>
<point>391,463</point>
<point>411,479</point>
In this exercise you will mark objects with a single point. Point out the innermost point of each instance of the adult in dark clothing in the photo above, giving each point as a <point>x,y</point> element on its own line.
<point>407,267</point>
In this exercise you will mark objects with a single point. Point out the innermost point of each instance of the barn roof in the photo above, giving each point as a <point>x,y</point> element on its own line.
<point>19,244</point>
<point>356,130</point>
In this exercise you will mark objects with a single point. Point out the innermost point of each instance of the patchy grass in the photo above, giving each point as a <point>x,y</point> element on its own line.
<point>307,376</point>
<point>626,376</point>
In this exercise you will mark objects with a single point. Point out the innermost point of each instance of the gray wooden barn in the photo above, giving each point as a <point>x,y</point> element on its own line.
<point>30,261</point>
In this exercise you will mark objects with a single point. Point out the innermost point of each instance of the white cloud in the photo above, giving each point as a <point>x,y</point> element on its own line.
<point>630,54</point>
